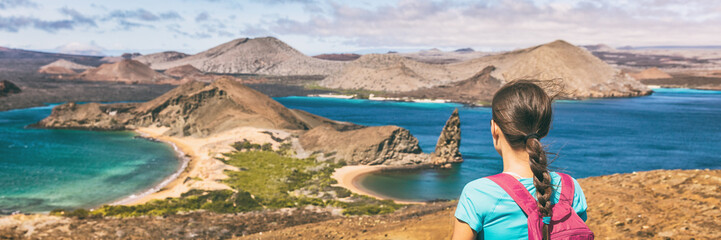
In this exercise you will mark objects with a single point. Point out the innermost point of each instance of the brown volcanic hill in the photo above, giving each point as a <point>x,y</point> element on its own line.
<point>61,64</point>
<point>182,71</point>
<point>476,90</point>
<point>266,55</point>
<point>575,70</point>
<point>388,72</point>
<point>56,70</point>
<point>559,66</point>
<point>651,73</point>
<point>161,57</point>
<point>338,56</point>
<point>129,71</point>
<point>7,87</point>
<point>193,108</point>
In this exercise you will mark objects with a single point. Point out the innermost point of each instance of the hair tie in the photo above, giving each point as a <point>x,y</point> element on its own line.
<point>546,220</point>
<point>530,135</point>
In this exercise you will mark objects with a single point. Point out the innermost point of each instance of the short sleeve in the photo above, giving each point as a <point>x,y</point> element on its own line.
<point>579,201</point>
<point>474,204</point>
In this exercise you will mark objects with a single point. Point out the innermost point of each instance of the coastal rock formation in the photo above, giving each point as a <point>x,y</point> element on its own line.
<point>200,110</point>
<point>449,143</point>
<point>92,116</point>
<point>386,145</point>
<point>266,55</point>
<point>7,87</point>
<point>158,58</point>
<point>129,71</point>
<point>651,73</point>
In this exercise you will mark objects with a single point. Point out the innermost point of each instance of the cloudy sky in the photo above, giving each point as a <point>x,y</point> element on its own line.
<point>324,26</point>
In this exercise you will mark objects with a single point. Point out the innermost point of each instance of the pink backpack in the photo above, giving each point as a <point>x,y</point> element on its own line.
<point>564,224</point>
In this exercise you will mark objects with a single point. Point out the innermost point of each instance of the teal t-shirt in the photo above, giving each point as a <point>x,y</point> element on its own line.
<point>493,214</point>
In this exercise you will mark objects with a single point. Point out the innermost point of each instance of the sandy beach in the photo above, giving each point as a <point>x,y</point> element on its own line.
<point>203,170</point>
<point>349,178</point>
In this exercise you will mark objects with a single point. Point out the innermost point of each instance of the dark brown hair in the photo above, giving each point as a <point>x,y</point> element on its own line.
<point>522,109</point>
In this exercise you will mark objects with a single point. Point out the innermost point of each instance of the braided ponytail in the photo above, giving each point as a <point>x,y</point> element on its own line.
<point>523,112</point>
<point>541,179</point>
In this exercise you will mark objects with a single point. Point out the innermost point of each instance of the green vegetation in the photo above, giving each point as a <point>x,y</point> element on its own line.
<point>267,180</point>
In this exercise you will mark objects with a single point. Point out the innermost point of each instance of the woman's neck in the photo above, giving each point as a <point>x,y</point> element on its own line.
<point>516,161</point>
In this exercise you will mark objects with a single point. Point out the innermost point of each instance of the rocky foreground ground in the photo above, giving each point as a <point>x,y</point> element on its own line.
<point>662,204</point>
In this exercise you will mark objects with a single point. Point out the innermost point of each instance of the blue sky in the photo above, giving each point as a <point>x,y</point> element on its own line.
<point>325,26</point>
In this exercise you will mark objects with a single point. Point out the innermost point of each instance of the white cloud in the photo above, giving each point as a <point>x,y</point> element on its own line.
<point>81,48</point>
<point>509,24</point>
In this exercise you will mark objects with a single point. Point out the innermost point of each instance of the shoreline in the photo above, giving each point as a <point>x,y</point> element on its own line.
<point>182,156</point>
<point>349,177</point>
<point>172,182</point>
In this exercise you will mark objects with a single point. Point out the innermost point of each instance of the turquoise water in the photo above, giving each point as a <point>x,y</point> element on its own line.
<point>44,169</point>
<point>671,129</point>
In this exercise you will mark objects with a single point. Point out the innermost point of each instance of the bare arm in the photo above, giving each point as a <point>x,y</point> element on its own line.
<point>461,231</point>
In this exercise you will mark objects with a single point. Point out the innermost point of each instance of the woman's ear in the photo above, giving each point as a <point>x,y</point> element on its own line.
<point>496,134</point>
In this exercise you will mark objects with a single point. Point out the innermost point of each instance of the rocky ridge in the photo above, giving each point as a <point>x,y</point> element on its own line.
<point>266,55</point>
<point>389,73</point>
<point>161,57</point>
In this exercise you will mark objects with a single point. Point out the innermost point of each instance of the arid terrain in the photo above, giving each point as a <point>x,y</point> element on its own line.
<point>661,204</point>
<point>698,68</point>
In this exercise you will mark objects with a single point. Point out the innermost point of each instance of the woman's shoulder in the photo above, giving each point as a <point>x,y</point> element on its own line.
<point>483,186</point>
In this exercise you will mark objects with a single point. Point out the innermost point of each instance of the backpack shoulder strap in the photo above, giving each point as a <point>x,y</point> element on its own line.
<point>518,192</point>
<point>567,188</point>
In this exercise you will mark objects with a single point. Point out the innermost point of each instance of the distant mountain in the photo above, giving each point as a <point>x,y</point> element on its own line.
<point>129,71</point>
<point>464,50</point>
<point>30,61</point>
<point>266,55</point>
<point>599,48</point>
<point>182,71</point>
<point>476,90</point>
<point>338,56</point>
<point>388,72</point>
<point>161,57</point>
<point>62,67</point>
<point>650,73</point>
<point>561,67</point>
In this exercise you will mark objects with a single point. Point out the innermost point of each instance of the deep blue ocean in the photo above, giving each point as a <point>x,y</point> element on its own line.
<point>44,169</point>
<point>671,129</point>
